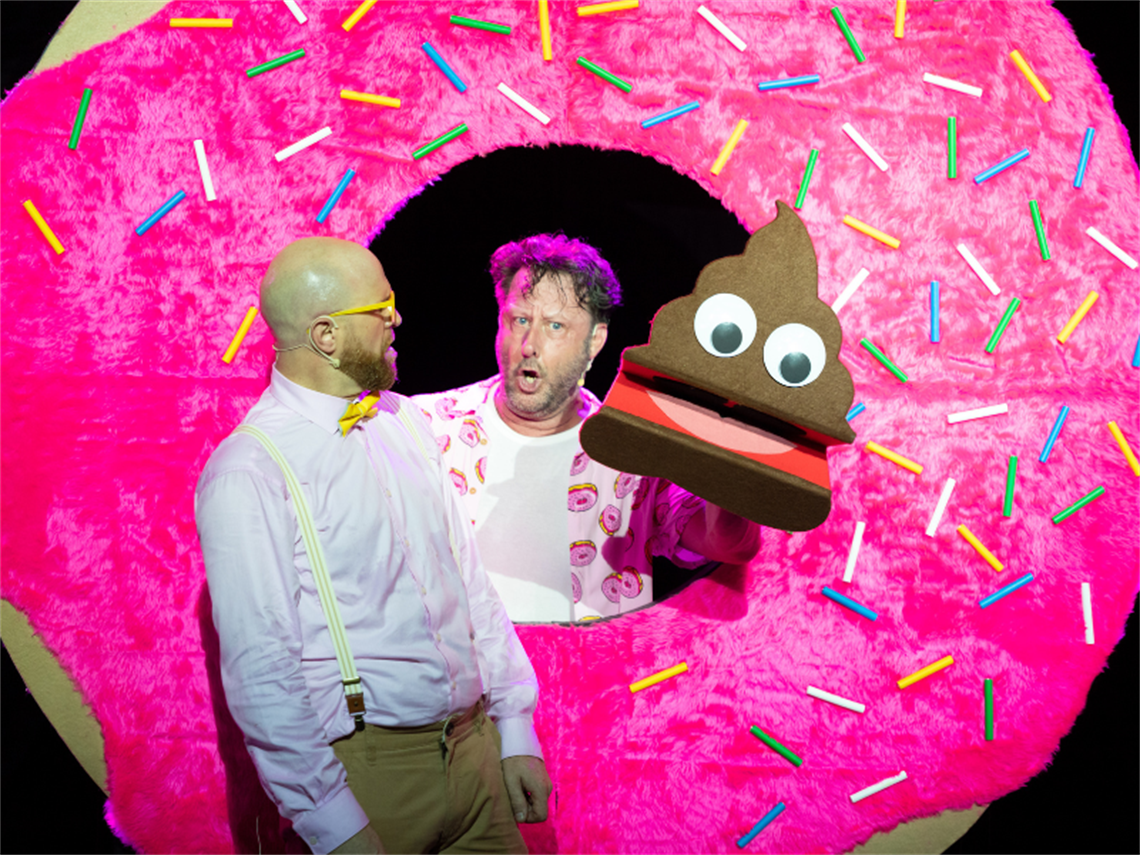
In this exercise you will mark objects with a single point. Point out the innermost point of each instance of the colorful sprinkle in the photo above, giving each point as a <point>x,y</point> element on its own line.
<point>868,150</point>
<point>1039,228</point>
<point>879,787</point>
<point>1086,609</point>
<point>1010,482</point>
<point>235,342</point>
<point>979,271</point>
<point>849,603</point>
<point>884,359</point>
<point>472,23</point>
<point>369,98</point>
<point>856,410</point>
<point>787,82</point>
<point>1006,591</point>
<point>1033,79</point>
<point>274,63</point>
<point>847,34</point>
<point>870,231</point>
<point>1096,235</point>
<point>204,170</point>
<point>605,75</point>
<point>853,553</point>
<point>720,27</point>
<point>302,144</point>
<point>1077,505</point>
<point>935,320</point>
<point>1053,434</point>
<point>854,706</point>
<point>443,139</point>
<point>442,65</point>
<point>957,86</point>
<point>916,468</point>
<point>761,825</point>
<point>523,103</point>
<point>654,679</point>
<point>940,508</point>
<point>44,228</point>
<point>990,558</point>
<point>1002,324</point>
<point>603,8</point>
<point>988,691</point>
<point>166,208</point>
<point>1078,316</point>
<point>923,673</point>
<point>335,197</point>
<point>850,289</point>
<point>726,152</point>
<point>351,20</point>
<point>1086,149</point>
<point>670,114</point>
<point>1125,448</point>
<point>80,117</point>
<point>1001,166</point>
<point>784,752</point>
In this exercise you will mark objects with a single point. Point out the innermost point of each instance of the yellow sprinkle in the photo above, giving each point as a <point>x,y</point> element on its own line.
<point>900,17</point>
<point>726,152</point>
<point>1033,79</point>
<point>982,551</point>
<point>602,8</point>
<point>382,100</point>
<point>45,229</point>
<point>246,323</point>
<point>944,662</point>
<point>893,243</point>
<point>1123,443</point>
<point>654,679</point>
<point>216,23</point>
<point>544,30</point>
<point>358,14</point>
<point>916,468</point>
<point>1078,316</point>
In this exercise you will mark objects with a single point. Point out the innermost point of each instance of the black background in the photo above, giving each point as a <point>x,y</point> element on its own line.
<point>657,229</point>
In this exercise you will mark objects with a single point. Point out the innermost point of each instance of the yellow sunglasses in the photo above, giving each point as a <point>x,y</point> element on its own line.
<point>390,303</point>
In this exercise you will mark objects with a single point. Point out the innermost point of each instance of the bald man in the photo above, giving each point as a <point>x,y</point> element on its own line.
<point>387,702</point>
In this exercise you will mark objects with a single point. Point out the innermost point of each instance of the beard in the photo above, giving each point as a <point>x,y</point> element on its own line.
<point>557,387</point>
<point>373,372</point>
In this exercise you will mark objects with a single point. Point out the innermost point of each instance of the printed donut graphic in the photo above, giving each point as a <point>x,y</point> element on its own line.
<point>582,552</point>
<point>610,519</point>
<point>471,434</point>
<point>443,440</point>
<point>612,587</point>
<point>481,470</point>
<point>582,497</point>
<point>459,480</point>
<point>98,516</point>
<point>576,587</point>
<point>581,461</point>
<point>625,484</point>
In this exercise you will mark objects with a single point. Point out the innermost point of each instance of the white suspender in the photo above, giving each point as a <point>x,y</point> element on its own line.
<point>354,694</point>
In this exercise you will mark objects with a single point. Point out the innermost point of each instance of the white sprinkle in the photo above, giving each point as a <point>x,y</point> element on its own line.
<point>980,413</point>
<point>1096,235</point>
<point>721,28</point>
<point>203,167</point>
<point>857,138</point>
<point>877,788</point>
<point>987,280</point>
<point>1086,605</point>
<point>853,555</point>
<point>851,288</point>
<point>525,104</point>
<point>854,706</point>
<point>947,83</point>
<point>296,10</point>
<point>940,508</point>
<point>301,145</point>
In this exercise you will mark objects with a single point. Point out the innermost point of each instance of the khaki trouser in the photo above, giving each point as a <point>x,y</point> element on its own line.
<point>436,788</point>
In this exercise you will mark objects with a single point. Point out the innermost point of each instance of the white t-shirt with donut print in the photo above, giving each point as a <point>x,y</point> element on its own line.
<point>596,562</point>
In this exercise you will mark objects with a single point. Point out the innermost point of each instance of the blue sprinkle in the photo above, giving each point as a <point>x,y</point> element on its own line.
<point>1086,147</point>
<point>671,114</point>
<point>1136,354</point>
<point>761,825</point>
<point>849,603</point>
<point>444,67</point>
<point>167,206</point>
<point>1006,591</point>
<point>935,320</point>
<point>1053,434</point>
<point>784,83</point>
<point>858,408</point>
<point>1001,167</point>
<point>335,197</point>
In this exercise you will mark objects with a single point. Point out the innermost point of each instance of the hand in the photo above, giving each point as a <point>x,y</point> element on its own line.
<point>364,842</point>
<point>528,787</point>
<point>721,536</point>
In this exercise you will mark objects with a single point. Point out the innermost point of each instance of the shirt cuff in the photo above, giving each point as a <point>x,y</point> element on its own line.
<point>326,827</point>
<point>518,737</point>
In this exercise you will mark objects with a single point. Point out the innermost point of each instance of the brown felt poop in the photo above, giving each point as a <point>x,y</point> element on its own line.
<point>740,390</point>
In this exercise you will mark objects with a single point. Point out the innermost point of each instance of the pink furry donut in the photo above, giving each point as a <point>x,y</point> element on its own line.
<point>114,393</point>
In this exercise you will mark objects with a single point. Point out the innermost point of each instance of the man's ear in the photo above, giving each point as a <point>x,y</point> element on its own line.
<point>598,338</point>
<point>323,333</point>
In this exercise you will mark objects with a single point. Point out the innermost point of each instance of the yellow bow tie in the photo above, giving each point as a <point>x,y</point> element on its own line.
<point>361,408</point>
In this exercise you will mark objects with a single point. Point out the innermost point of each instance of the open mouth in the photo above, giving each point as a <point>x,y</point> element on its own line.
<point>718,421</point>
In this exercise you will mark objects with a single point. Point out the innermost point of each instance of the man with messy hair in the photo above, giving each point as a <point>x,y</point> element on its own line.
<point>562,536</point>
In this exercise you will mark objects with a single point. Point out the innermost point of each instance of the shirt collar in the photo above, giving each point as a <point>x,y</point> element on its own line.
<point>321,409</point>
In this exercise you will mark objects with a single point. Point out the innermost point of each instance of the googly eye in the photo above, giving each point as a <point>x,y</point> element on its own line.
<point>794,355</point>
<point>725,325</point>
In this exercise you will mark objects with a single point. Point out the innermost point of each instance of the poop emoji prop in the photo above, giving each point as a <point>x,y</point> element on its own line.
<point>740,391</point>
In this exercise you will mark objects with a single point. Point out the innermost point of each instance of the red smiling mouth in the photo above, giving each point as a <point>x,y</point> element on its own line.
<point>740,430</point>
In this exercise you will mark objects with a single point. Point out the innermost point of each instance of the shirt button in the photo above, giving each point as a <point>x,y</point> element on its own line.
<point>423,591</point>
<point>313,840</point>
<point>387,492</point>
<point>407,544</point>
<point>438,637</point>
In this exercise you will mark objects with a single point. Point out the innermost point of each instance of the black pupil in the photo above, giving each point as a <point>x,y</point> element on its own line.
<point>726,337</point>
<point>795,367</point>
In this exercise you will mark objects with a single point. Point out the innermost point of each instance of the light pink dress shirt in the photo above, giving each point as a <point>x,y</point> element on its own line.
<point>428,638</point>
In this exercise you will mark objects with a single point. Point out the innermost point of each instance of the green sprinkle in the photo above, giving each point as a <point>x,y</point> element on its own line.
<point>847,34</point>
<point>1039,227</point>
<point>883,358</point>
<point>807,178</point>
<point>989,689</point>
<point>1002,324</point>
<point>274,63</point>
<point>952,147</point>
<point>605,75</point>
<point>438,141</point>
<point>480,25</point>
<point>79,117</point>
<point>1078,504</point>
<point>1010,478</point>
<point>776,746</point>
